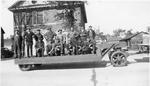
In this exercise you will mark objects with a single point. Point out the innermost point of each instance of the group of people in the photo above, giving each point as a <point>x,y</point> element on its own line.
<point>70,43</point>
<point>62,43</point>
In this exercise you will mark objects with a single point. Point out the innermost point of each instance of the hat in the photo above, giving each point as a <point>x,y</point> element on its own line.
<point>38,30</point>
<point>59,30</point>
<point>49,27</point>
<point>28,28</point>
<point>16,29</point>
<point>90,26</point>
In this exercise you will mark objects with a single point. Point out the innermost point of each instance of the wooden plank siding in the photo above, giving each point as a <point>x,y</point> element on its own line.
<point>60,59</point>
<point>42,15</point>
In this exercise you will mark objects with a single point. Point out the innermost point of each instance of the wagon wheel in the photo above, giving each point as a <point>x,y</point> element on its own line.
<point>25,67</point>
<point>118,59</point>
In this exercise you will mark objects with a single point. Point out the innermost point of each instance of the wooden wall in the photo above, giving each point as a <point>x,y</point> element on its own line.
<point>43,19</point>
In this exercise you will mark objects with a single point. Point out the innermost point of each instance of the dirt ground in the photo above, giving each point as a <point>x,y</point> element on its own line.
<point>135,74</point>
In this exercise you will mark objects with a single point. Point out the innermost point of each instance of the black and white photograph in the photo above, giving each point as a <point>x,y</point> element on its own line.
<point>75,42</point>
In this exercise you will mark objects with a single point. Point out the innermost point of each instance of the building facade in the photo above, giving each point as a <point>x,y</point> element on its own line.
<point>44,14</point>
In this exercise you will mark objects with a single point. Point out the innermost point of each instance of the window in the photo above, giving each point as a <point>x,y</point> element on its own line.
<point>40,17</point>
<point>29,18</point>
<point>16,22</point>
<point>23,18</point>
<point>34,14</point>
<point>32,18</point>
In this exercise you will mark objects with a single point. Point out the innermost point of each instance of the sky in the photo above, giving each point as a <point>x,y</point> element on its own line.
<point>105,15</point>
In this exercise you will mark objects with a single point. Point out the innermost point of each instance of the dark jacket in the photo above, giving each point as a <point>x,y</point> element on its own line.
<point>39,37</point>
<point>17,40</point>
<point>83,35</point>
<point>39,44</point>
<point>29,37</point>
<point>49,36</point>
<point>91,34</point>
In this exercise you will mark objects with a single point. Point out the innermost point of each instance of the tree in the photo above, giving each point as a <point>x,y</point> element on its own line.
<point>67,15</point>
<point>101,35</point>
<point>118,31</point>
<point>129,33</point>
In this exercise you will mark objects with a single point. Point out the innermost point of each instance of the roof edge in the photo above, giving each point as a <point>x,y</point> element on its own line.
<point>14,6</point>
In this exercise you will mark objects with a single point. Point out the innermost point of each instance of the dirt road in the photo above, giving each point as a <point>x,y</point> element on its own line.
<point>135,74</point>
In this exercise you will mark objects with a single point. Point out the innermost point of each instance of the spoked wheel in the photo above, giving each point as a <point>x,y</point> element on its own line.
<point>25,67</point>
<point>118,59</point>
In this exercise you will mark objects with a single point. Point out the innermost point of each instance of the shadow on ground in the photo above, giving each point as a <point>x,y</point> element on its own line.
<point>101,64</point>
<point>73,66</point>
<point>6,59</point>
<point>144,59</point>
<point>140,60</point>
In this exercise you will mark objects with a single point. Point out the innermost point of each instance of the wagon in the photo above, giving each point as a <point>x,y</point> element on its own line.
<point>59,15</point>
<point>117,56</point>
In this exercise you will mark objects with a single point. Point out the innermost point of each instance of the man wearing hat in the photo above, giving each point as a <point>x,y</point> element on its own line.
<point>49,36</point>
<point>91,33</point>
<point>91,36</point>
<point>83,35</point>
<point>39,36</point>
<point>29,35</point>
<point>39,44</point>
<point>17,44</point>
<point>60,37</point>
<point>23,42</point>
<point>74,39</point>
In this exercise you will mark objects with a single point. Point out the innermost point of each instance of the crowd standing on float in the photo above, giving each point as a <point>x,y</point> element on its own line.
<point>62,43</point>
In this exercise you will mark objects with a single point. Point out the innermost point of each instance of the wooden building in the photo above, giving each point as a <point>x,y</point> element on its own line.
<point>2,37</point>
<point>42,14</point>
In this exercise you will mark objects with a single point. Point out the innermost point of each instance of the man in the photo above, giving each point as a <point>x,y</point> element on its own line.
<point>49,36</point>
<point>72,36</point>
<point>39,44</point>
<point>17,44</point>
<point>29,35</point>
<point>23,42</point>
<point>71,33</point>
<point>74,39</point>
<point>91,33</point>
<point>91,36</point>
<point>57,47</point>
<point>39,36</point>
<point>85,48</point>
<point>83,36</point>
<point>70,49</point>
<point>60,37</point>
<point>65,35</point>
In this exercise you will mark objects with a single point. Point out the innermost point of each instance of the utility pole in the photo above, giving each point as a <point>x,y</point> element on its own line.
<point>93,79</point>
<point>98,29</point>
